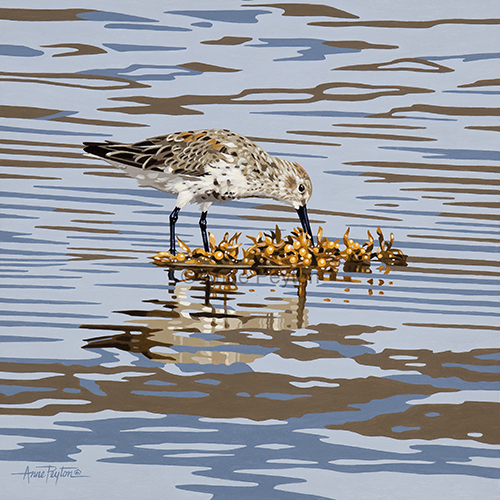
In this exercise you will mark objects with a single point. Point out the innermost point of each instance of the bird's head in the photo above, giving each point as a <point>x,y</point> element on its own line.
<point>295,188</point>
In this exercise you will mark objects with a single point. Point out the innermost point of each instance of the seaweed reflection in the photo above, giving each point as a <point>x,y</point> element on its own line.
<point>200,304</point>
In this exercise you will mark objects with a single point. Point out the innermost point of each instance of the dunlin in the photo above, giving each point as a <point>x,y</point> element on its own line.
<point>209,166</point>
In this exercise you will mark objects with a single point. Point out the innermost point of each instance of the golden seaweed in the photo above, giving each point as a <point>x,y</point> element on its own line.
<point>275,252</point>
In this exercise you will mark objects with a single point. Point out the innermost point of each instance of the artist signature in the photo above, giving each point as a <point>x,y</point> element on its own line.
<point>48,473</point>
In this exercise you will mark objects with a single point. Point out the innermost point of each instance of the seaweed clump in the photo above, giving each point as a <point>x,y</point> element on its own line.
<point>223,253</point>
<point>273,251</point>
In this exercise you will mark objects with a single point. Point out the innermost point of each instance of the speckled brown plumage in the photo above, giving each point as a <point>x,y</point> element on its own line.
<point>209,166</point>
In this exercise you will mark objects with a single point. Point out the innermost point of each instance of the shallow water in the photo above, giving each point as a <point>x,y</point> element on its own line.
<point>374,385</point>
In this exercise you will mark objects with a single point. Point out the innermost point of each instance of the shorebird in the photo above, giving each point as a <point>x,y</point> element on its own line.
<point>209,166</point>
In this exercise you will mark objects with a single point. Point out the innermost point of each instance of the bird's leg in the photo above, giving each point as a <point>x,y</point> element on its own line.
<point>203,227</point>
<point>173,219</point>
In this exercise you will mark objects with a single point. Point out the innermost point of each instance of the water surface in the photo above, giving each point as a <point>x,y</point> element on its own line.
<point>373,385</point>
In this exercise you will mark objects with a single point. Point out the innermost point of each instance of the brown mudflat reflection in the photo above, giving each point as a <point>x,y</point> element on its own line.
<point>358,44</point>
<point>403,64</point>
<point>228,40</point>
<point>406,24</point>
<point>207,68</point>
<point>434,421</point>
<point>341,92</point>
<point>24,176</point>
<point>79,49</point>
<point>88,82</point>
<point>441,110</point>
<point>43,14</point>
<point>309,9</point>
<point>51,114</point>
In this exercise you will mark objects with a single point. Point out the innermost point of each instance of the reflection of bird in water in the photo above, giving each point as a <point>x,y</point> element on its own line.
<point>209,166</point>
<point>191,327</point>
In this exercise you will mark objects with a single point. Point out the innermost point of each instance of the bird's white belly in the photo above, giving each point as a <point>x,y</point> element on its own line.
<point>214,187</point>
<point>218,185</point>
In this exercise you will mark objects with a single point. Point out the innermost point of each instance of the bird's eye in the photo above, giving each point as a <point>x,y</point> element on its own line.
<point>301,188</point>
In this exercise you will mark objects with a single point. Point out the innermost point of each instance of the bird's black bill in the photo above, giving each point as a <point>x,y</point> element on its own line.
<point>304,220</point>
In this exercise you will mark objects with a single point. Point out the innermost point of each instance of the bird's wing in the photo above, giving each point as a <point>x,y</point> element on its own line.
<point>180,153</point>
